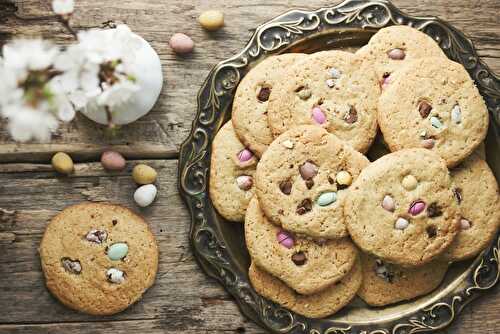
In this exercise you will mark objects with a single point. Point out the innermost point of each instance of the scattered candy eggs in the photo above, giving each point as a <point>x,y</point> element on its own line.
<point>143,174</point>
<point>409,182</point>
<point>181,43</point>
<point>428,143</point>
<point>117,251</point>
<point>244,182</point>
<point>211,20</point>
<point>436,122</point>
<point>285,239</point>
<point>112,160</point>
<point>344,178</point>
<point>464,224</point>
<point>288,144</point>
<point>308,170</point>
<point>401,224</point>
<point>327,198</point>
<point>145,195</point>
<point>63,163</point>
<point>245,155</point>
<point>388,203</point>
<point>396,54</point>
<point>456,114</point>
<point>115,275</point>
<point>416,208</point>
<point>318,115</point>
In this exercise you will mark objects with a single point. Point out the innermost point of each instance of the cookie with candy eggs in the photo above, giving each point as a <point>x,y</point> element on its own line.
<point>305,265</point>
<point>303,178</point>
<point>232,169</point>
<point>250,103</point>
<point>391,48</point>
<point>401,208</point>
<point>332,89</point>
<point>384,283</point>
<point>98,258</point>
<point>317,305</point>
<point>476,192</point>
<point>434,104</point>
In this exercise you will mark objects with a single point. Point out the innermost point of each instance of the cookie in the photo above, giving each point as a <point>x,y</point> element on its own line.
<point>252,97</point>
<point>401,208</point>
<point>476,192</point>
<point>333,89</point>
<point>302,180</point>
<point>385,283</point>
<point>98,258</point>
<point>305,265</point>
<point>232,170</point>
<point>433,104</point>
<point>393,47</point>
<point>318,305</point>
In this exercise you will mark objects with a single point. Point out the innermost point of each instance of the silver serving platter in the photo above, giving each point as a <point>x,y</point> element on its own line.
<point>219,246</point>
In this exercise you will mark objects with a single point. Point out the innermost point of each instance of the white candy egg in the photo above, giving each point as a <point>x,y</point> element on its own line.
<point>145,195</point>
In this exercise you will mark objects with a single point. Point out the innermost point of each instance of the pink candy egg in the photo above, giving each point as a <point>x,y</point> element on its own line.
<point>318,115</point>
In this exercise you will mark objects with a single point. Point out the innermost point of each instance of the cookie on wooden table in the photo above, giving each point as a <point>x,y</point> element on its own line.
<point>401,208</point>
<point>332,89</point>
<point>384,283</point>
<point>302,180</point>
<point>393,47</point>
<point>318,305</point>
<point>252,97</point>
<point>476,191</point>
<point>98,258</point>
<point>305,265</point>
<point>433,104</point>
<point>231,174</point>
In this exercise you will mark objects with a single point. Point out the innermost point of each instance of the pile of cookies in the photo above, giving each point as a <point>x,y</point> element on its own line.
<point>323,223</point>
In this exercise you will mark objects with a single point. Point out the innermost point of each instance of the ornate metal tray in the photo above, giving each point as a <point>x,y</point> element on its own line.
<point>219,245</point>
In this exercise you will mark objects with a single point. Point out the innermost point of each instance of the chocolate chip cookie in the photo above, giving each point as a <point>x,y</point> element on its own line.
<point>302,180</point>
<point>434,104</point>
<point>391,48</point>
<point>385,283</point>
<point>232,170</point>
<point>476,192</point>
<point>332,89</point>
<point>98,258</point>
<point>401,208</point>
<point>252,97</point>
<point>317,305</point>
<point>305,265</point>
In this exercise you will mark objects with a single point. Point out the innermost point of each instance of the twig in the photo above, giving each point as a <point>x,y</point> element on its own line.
<point>110,117</point>
<point>64,19</point>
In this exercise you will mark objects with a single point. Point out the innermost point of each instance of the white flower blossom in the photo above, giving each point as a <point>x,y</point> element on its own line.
<point>31,99</point>
<point>63,7</point>
<point>117,94</point>
<point>100,69</point>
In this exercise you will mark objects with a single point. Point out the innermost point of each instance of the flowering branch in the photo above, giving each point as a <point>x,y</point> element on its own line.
<point>112,76</point>
<point>64,9</point>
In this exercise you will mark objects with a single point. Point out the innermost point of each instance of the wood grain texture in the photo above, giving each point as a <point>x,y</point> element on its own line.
<point>160,133</point>
<point>183,300</point>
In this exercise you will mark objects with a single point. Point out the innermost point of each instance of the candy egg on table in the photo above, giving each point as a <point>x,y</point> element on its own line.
<point>145,195</point>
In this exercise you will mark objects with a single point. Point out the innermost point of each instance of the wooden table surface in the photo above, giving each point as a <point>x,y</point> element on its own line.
<point>183,300</point>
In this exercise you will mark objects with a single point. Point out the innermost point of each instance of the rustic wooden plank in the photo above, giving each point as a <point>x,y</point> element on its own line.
<point>159,134</point>
<point>122,327</point>
<point>183,298</point>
